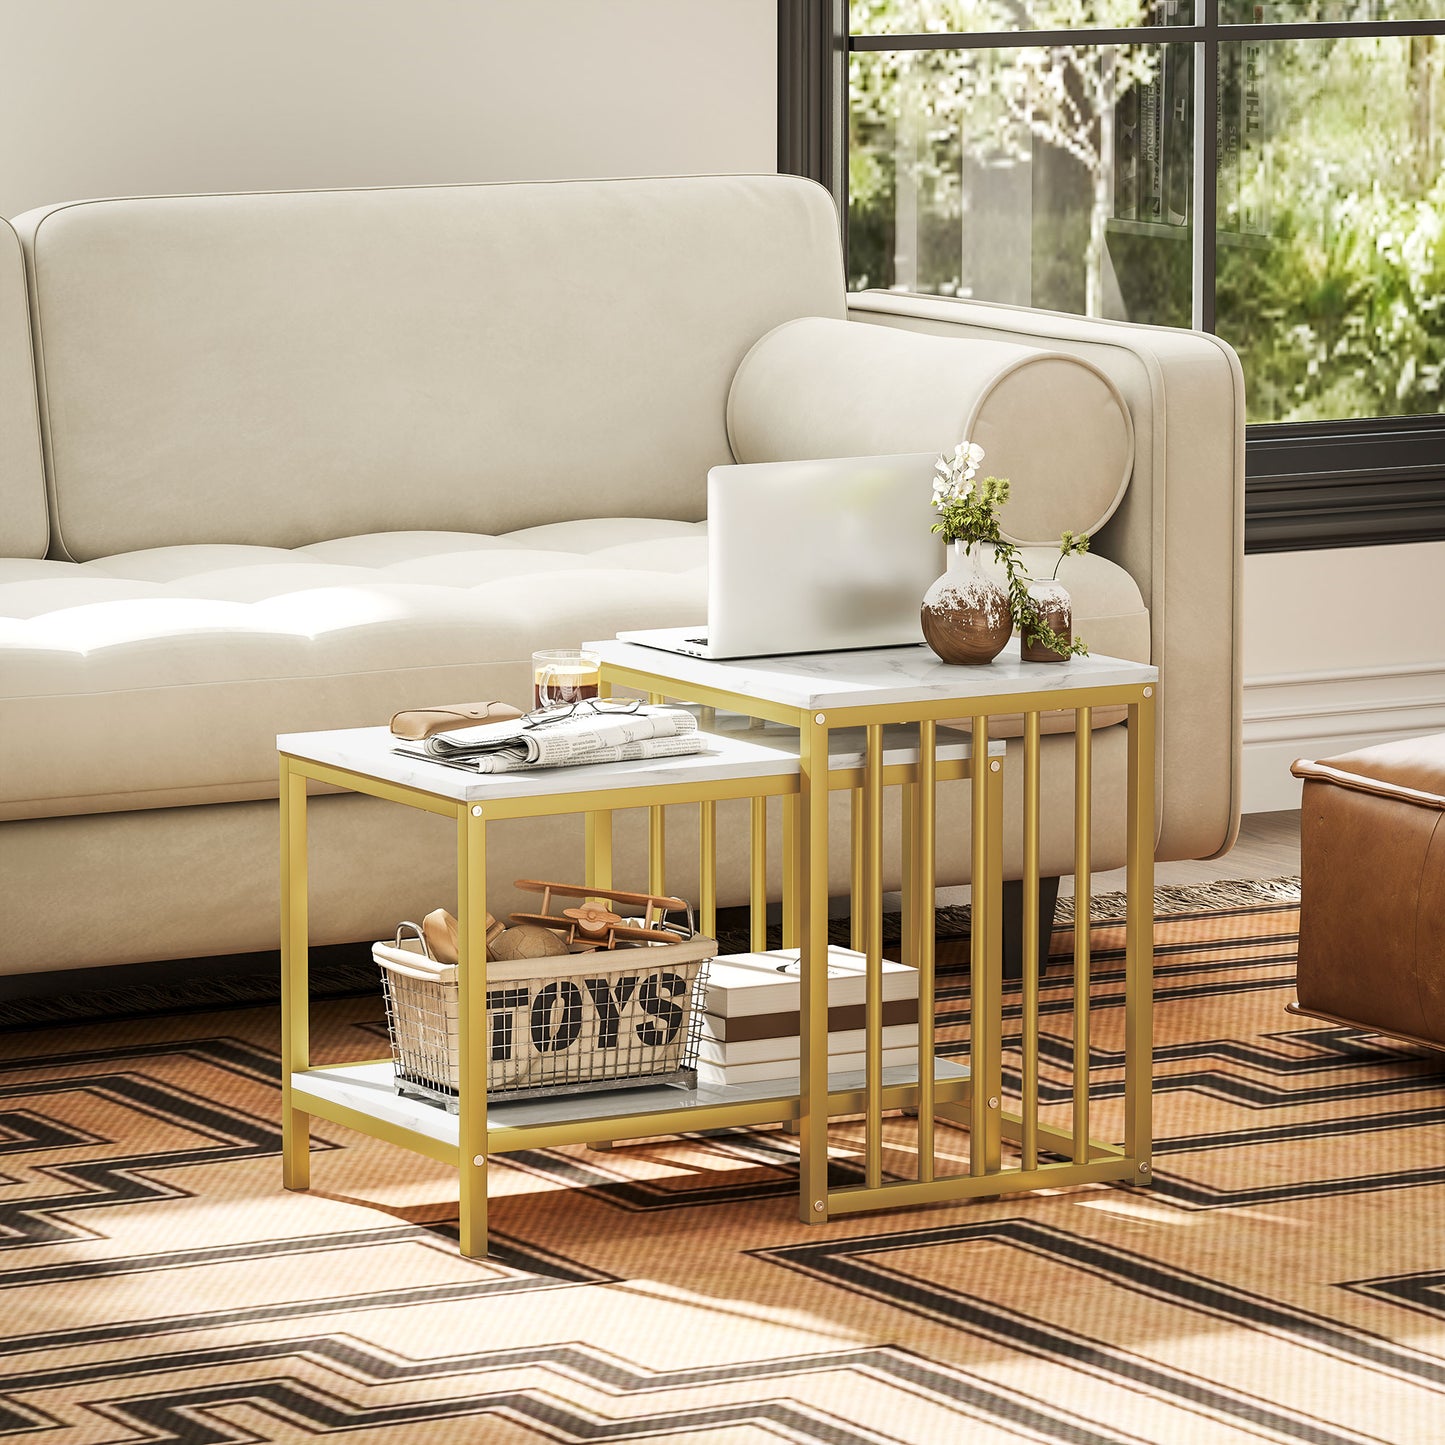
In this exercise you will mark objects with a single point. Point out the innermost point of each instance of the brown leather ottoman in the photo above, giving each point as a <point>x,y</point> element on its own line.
<point>1372,889</point>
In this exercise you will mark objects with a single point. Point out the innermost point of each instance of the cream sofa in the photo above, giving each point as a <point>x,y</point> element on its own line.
<point>274,462</point>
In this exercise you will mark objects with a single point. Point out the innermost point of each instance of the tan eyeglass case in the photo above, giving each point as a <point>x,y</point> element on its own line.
<point>424,722</point>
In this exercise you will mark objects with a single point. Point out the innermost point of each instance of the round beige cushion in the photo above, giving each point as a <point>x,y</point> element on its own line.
<point>1054,425</point>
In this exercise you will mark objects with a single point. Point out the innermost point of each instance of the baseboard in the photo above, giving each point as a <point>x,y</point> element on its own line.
<point>1319,714</point>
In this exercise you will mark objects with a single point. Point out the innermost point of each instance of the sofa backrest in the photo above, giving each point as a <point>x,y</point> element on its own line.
<point>280,368</point>
<point>24,529</point>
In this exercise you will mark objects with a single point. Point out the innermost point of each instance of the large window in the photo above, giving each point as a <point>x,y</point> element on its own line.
<point>1273,170</point>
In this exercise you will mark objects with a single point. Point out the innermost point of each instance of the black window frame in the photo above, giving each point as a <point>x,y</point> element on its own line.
<point>1362,481</point>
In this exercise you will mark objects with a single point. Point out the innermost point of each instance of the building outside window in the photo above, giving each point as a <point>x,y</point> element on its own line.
<point>1273,170</point>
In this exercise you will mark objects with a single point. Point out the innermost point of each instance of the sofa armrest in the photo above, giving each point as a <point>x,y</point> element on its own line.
<point>1179,530</point>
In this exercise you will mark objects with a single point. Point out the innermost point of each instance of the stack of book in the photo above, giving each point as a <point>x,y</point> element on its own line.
<point>750,1029</point>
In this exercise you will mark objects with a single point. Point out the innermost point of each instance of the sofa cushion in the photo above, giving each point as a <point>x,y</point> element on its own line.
<point>162,677</point>
<point>1056,426</point>
<point>24,527</point>
<point>280,368</point>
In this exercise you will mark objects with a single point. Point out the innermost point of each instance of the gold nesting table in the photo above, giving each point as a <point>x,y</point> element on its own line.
<point>794,729</point>
<point>909,687</point>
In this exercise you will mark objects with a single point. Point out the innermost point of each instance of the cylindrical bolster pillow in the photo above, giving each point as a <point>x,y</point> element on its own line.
<point>1054,425</point>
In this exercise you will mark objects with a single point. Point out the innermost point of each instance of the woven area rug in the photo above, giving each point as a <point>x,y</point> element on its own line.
<point>1283,1280</point>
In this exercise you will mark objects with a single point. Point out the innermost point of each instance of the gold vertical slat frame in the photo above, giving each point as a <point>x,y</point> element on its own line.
<point>597,834</point>
<point>1029,1037</point>
<point>707,867</point>
<point>857,885</point>
<point>597,850</point>
<point>978,1000</point>
<point>908,904</point>
<point>992,1082</point>
<point>1083,866</point>
<point>656,836</point>
<point>793,863</point>
<point>472,1027</point>
<point>1139,942</point>
<point>758,875</point>
<point>808,877</point>
<point>597,873</point>
<point>873,950</point>
<point>295,977</point>
<point>923,860</point>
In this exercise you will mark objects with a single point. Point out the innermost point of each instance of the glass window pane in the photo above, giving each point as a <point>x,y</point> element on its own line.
<point>1296,12</point>
<point>931,17</point>
<point>1053,178</point>
<point>1330,265</point>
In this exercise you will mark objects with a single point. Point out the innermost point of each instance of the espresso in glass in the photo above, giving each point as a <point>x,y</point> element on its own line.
<point>561,676</point>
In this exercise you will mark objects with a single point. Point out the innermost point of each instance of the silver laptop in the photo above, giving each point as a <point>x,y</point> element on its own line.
<point>813,556</point>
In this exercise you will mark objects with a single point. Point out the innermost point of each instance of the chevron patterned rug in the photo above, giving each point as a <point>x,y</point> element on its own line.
<point>1284,1280</point>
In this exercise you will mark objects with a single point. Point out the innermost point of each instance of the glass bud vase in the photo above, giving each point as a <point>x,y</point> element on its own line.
<point>965,614</point>
<point>1056,608</point>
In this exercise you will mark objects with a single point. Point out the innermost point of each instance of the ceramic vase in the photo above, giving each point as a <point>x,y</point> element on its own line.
<point>1056,608</point>
<point>965,614</point>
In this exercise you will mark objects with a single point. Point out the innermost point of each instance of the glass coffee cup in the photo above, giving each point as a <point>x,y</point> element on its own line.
<point>564,675</point>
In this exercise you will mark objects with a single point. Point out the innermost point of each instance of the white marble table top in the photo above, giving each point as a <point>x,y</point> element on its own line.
<point>876,677</point>
<point>734,750</point>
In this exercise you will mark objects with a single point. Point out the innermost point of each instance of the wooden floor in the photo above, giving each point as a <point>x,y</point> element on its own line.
<point>1268,847</point>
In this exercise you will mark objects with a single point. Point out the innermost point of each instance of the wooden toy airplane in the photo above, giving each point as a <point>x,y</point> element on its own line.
<point>589,926</point>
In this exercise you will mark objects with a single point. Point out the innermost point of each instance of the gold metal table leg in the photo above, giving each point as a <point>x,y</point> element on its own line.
<point>472,1028</point>
<point>908,901</point>
<point>922,863</point>
<point>1083,866</point>
<point>1139,942</point>
<point>597,850</point>
<point>597,834</point>
<point>1029,1037</point>
<point>707,867</point>
<point>758,876</point>
<point>656,836</point>
<point>980,1004</point>
<point>857,882</point>
<point>873,948</point>
<point>810,848</point>
<point>793,864</point>
<point>295,985</point>
<point>992,1081</point>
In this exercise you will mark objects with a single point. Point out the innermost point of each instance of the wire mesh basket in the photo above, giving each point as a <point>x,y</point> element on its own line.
<point>611,1019</point>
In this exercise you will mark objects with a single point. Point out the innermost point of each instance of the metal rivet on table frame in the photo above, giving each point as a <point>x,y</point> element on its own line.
<point>476,810</point>
<point>820,718</point>
<point>1148,692</point>
<point>817,1206</point>
<point>994,765</point>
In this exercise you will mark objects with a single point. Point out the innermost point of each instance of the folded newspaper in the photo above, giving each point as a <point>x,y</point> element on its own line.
<point>587,737</point>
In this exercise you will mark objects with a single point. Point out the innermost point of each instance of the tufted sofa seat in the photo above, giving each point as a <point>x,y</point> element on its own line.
<point>161,678</point>
<point>157,679</point>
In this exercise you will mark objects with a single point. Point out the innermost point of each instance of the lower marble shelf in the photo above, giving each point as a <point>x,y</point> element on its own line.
<point>363,1095</point>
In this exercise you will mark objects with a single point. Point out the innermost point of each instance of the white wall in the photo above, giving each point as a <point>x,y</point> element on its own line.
<point>126,97</point>
<point>1341,648</point>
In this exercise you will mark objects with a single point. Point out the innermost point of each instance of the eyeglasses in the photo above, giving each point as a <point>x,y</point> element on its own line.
<point>606,706</point>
